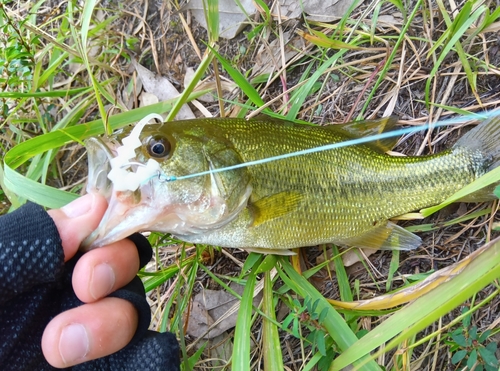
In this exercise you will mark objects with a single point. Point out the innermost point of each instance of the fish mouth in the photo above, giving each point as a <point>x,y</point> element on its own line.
<point>120,219</point>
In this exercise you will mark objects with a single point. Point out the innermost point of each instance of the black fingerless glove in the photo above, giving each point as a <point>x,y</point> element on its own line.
<point>35,286</point>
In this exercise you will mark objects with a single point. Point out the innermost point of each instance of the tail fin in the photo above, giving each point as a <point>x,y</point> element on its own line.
<point>485,138</point>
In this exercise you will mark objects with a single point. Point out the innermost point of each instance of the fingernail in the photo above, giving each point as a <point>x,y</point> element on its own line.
<point>74,343</point>
<point>102,281</point>
<point>80,206</point>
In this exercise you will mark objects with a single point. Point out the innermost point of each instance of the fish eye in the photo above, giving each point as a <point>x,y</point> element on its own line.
<point>158,146</point>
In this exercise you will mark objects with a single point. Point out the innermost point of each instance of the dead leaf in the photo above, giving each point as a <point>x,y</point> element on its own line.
<point>221,351</point>
<point>128,94</point>
<point>161,88</point>
<point>210,305</point>
<point>353,256</point>
<point>315,10</point>
<point>232,19</point>
<point>389,19</point>
<point>147,99</point>
<point>268,58</point>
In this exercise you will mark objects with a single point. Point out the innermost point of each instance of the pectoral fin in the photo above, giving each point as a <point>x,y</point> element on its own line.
<point>274,206</point>
<point>388,236</point>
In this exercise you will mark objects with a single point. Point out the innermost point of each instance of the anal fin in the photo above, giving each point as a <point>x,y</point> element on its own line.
<point>388,236</point>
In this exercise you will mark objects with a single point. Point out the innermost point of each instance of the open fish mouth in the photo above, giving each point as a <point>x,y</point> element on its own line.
<point>115,224</point>
<point>115,173</point>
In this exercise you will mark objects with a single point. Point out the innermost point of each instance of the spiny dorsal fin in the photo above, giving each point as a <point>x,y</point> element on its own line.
<point>365,128</point>
<point>274,206</point>
<point>355,129</point>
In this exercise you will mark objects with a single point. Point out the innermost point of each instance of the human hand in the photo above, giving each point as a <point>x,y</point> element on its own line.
<point>102,325</point>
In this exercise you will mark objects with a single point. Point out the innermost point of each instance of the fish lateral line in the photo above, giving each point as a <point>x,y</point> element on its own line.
<point>352,142</point>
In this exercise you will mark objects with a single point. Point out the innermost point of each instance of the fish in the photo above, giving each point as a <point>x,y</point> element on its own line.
<point>346,196</point>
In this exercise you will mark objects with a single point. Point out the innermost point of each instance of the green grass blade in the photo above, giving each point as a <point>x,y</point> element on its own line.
<point>334,323</point>
<point>88,9</point>
<point>298,98</point>
<point>186,94</point>
<point>241,350</point>
<point>196,356</point>
<point>460,31</point>
<point>44,94</point>
<point>242,82</point>
<point>422,312</point>
<point>155,279</point>
<point>211,8</point>
<point>432,226</point>
<point>395,51</point>
<point>273,358</point>
<point>50,70</point>
<point>343,283</point>
<point>30,190</point>
<point>393,267</point>
<point>14,200</point>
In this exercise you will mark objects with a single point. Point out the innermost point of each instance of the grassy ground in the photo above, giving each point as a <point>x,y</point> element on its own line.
<point>64,71</point>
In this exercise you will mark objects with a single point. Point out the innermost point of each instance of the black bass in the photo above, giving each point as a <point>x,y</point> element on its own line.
<point>344,196</point>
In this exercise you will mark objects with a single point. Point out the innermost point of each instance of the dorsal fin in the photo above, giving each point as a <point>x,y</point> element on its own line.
<point>355,129</point>
<point>365,128</point>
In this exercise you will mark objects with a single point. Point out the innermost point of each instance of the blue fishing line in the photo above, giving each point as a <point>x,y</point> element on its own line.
<point>352,142</point>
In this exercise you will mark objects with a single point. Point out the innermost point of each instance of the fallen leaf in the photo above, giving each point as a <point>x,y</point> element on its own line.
<point>129,93</point>
<point>389,19</point>
<point>232,19</point>
<point>315,10</point>
<point>147,99</point>
<point>210,305</point>
<point>161,88</point>
<point>353,256</point>
<point>268,58</point>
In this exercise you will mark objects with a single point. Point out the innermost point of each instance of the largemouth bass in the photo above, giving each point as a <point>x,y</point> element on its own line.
<point>344,196</point>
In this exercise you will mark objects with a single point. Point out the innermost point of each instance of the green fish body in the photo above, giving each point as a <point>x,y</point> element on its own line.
<point>344,196</point>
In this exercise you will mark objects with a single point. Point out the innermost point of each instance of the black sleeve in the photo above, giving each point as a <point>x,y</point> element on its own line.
<point>36,286</point>
<point>30,251</point>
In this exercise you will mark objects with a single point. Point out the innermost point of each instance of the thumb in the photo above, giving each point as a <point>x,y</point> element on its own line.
<point>77,220</point>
